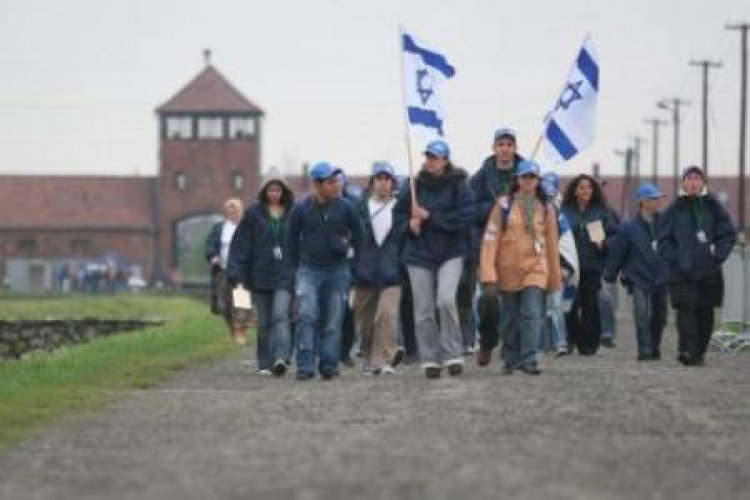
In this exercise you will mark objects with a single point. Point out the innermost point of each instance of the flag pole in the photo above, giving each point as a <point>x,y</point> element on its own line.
<point>540,138</point>
<point>407,133</point>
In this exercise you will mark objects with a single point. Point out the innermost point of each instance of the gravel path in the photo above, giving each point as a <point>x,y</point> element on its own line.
<point>601,427</point>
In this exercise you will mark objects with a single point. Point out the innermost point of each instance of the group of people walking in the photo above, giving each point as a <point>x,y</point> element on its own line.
<point>423,266</point>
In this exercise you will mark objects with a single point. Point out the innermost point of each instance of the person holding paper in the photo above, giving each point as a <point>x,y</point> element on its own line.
<point>259,260</point>
<point>696,236</point>
<point>324,231</point>
<point>585,208</point>
<point>520,256</point>
<point>217,255</point>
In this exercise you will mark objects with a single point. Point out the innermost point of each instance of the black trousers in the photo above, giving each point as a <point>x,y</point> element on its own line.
<point>465,303</point>
<point>694,327</point>
<point>583,321</point>
<point>406,312</point>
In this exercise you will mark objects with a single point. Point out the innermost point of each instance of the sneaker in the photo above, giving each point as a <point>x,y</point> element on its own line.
<point>279,368</point>
<point>387,370</point>
<point>398,357</point>
<point>455,366</point>
<point>531,369</point>
<point>484,357</point>
<point>264,372</point>
<point>329,375</point>
<point>303,376</point>
<point>561,351</point>
<point>431,370</point>
<point>608,342</point>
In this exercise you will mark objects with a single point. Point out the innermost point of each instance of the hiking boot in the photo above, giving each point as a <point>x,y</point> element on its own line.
<point>455,369</point>
<point>431,370</point>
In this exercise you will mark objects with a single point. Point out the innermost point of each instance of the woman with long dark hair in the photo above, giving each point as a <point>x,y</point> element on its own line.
<point>520,257</point>
<point>585,207</point>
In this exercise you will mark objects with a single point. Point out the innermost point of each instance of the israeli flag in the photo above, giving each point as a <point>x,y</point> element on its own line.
<point>569,128</point>
<point>425,69</point>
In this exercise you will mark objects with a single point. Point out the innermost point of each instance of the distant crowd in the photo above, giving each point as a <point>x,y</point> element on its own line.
<point>448,266</point>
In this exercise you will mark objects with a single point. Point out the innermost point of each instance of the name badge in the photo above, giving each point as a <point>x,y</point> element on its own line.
<point>653,245</point>
<point>277,253</point>
<point>701,235</point>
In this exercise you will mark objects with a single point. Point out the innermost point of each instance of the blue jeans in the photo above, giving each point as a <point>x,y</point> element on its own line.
<point>321,294</point>
<point>650,313</point>
<point>524,311</point>
<point>554,323</point>
<point>273,315</point>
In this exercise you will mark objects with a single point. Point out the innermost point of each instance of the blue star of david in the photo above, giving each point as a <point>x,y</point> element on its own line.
<point>571,94</point>
<point>423,90</point>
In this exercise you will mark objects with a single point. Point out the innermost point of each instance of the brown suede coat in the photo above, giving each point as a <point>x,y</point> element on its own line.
<point>509,257</point>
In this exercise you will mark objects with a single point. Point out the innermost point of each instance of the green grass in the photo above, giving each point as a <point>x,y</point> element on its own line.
<point>34,391</point>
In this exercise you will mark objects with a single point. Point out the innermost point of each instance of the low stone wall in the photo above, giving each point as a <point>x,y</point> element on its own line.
<point>20,337</point>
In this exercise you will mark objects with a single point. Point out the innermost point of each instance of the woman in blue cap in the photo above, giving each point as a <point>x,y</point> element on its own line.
<point>695,239</point>
<point>644,273</point>
<point>434,252</point>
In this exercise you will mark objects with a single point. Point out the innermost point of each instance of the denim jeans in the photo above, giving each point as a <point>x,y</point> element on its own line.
<point>434,292</point>
<point>554,332</point>
<point>273,316</point>
<point>321,294</point>
<point>524,310</point>
<point>650,313</point>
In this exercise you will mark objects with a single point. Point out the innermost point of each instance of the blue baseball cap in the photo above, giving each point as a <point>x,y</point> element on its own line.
<point>527,167</point>
<point>323,170</point>
<point>438,148</point>
<point>505,132</point>
<point>551,183</point>
<point>383,167</point>
<point>648,191</point>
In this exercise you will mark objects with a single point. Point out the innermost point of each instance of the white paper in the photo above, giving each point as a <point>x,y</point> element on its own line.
<point>596,231</point>
<point>241,298</point>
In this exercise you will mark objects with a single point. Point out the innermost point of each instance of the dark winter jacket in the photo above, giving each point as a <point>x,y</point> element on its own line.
<point>444,234</point>
<point>213,242</point>
<point>590,258</point>
<point>633,251</point>
<point>691,261</point>
<point>252,258</point>
<point>379,266</point>
<point>321,235</point>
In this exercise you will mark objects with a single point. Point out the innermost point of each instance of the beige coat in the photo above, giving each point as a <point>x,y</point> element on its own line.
<point>509,258</point>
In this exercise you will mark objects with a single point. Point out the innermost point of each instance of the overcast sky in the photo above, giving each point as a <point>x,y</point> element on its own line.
<point>81,78</point>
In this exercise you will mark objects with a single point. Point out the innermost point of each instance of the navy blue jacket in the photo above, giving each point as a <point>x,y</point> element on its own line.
<point>379,266</point>
<point>213,242</point>
<point>590,258</point>
<point>320,236</point>
<point>688,258</point>
<point>251,255</point>
<point>633,252</point>
<point>489,184</point>
<point>444,234</point>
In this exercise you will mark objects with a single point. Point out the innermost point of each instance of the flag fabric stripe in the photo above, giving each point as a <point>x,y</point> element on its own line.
<point>589,68</point>
<point>425,117</point>
<point>429,57</point>
<point>560,141</point>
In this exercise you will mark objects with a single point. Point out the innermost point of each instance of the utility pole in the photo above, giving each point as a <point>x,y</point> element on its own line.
<point>655,124</point>
<point>636,161</point>
<point>705,65</point>
<point>742,27</point>
<point>627,169</point>
<point>673,104</point>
